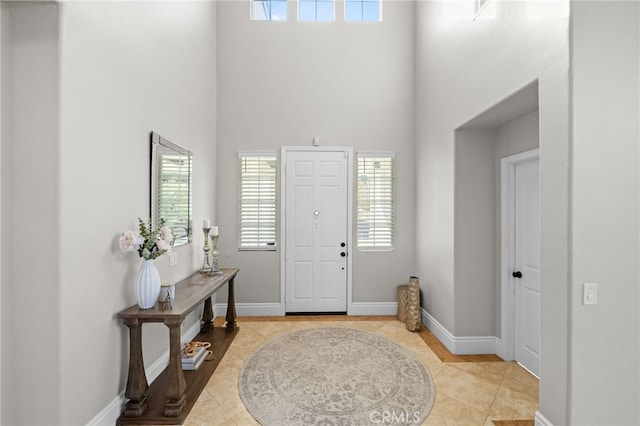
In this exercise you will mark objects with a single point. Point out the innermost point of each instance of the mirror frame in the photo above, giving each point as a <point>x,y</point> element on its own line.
<point>158,142</point>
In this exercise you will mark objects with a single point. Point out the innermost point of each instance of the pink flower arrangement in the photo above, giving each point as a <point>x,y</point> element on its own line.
<point>148,242</point>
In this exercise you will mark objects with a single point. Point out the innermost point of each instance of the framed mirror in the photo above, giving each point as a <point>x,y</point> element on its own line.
<point>171,187</point>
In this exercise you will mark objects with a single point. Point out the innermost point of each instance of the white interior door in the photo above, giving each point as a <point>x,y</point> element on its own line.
<point>526,275</point>
<point>316,230</point>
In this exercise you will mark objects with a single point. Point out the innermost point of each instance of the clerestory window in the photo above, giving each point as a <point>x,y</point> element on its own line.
<point>268,10</point>
<point>363,10</point>
<point>316,10</point>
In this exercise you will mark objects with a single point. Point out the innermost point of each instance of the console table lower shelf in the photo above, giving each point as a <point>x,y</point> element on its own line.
<point>220,338</point>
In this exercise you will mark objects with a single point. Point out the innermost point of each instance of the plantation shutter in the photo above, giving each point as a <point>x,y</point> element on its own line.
<point>174,173</point>
<point>375,201</point>
<point>257,201</point>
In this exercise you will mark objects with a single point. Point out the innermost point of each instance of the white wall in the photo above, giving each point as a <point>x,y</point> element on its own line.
<point>2,19</point>
<point>284,83</point>
<point>604,214</point>
<point>30,213</point>
<point>477,226</point>
<point>519,135</point>
<point>115,71</point>
<point>589,184</point>
<point>464,67</point>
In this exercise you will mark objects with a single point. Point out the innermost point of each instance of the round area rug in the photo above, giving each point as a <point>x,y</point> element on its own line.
<point>335,376</point>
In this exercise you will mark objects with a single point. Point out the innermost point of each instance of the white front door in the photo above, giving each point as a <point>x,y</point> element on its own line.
<point>316,231</point>
<point>526,273</point>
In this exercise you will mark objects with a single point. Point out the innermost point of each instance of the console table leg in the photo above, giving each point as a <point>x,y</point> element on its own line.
<point>137,384</point>
<point>231,307</point>
<point>176,384</point>
<point>207,316</point>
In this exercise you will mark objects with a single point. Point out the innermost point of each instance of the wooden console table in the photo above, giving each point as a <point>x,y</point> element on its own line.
<point>170,397</point>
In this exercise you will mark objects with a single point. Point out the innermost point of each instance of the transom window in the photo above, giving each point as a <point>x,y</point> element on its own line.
<point>376,201</point>
<point>257,201</point>
<point>269,10</point>
<point>319,10</point>
<point>363,10</point>
<point>316,10</point>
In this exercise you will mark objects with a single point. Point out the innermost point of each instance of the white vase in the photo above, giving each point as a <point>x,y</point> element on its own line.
<point>147,285</point>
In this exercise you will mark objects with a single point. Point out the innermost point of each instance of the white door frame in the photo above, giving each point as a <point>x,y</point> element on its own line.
<point>283,191</point>
<point>507,258</point>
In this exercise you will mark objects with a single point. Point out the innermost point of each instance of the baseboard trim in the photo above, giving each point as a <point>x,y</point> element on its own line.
<point>109,415</point>
<point>541,420</point>
<point>476,345</point>
<point>373,308</point>
<point>251,309</point>
<point>277,309</point>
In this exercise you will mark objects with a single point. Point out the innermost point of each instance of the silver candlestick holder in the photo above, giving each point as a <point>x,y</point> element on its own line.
<point>215,268</point>
<point>206,267</point>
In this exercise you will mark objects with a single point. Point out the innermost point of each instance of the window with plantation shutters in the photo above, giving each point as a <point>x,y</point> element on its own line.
<point>257,201</point>
<point>174,184</point>
<point>375,201</point>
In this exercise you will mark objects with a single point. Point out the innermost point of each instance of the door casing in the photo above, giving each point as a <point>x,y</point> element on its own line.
<point>283,161</point>
<point>507,259</point>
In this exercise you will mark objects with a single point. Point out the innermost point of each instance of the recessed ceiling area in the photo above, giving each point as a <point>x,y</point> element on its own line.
<point>518,104</point>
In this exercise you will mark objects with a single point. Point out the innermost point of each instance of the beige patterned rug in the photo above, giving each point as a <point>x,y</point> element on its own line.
<point>335,376</point>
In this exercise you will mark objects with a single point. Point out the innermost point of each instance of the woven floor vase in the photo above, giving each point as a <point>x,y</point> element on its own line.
<point>403,302</point>
<point>413,319</point>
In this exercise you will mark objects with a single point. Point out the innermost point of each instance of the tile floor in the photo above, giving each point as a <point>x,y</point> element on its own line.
<point>478,390</point>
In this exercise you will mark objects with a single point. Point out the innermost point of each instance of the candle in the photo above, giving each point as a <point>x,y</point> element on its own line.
<point>214,230</point>
<point>206,224</point>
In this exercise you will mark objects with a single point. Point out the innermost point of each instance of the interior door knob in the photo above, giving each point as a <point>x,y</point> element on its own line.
<point>517,274</point>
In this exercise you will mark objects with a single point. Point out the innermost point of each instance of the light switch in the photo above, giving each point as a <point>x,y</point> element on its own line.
<point>590,294</point>
<point>173,258</point>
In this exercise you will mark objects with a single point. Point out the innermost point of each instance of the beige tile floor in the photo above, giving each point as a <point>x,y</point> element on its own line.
<point>483,393</point>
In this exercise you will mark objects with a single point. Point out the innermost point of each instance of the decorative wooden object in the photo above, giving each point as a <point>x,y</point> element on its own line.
<point>170,397</point>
